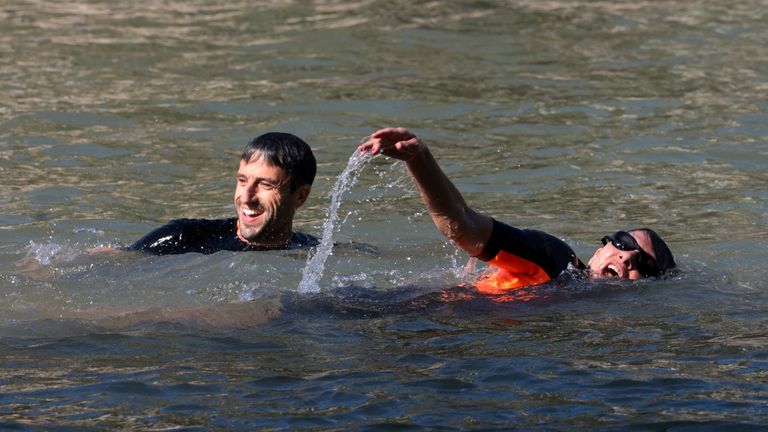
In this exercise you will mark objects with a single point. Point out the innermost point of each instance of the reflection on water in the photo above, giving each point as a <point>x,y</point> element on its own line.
<point>573,117</point>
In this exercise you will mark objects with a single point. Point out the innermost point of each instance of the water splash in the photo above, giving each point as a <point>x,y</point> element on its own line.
<point>47,253</point>
<point>315,266</point>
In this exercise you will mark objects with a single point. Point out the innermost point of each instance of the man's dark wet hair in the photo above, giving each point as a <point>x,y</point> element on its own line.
<point>288,152</point>
<point>664,258</point>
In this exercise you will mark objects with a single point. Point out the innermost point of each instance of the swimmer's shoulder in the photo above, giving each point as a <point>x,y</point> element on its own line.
<point>300,240</point>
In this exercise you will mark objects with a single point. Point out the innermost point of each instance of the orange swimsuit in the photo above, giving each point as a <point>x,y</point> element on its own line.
<point>523,258</point>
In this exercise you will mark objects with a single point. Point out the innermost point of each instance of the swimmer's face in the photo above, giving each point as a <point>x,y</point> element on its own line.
<point>264,203</point>
<point>610,261</point>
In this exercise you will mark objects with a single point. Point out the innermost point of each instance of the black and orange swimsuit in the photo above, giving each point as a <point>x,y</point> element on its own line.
<point>523,258</point>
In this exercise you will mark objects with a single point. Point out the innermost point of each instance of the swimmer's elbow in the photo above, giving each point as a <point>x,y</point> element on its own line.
<point>451,229</point>
<point>469,232</point>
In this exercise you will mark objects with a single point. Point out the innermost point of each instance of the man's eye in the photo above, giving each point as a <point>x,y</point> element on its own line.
<point>266,186</point>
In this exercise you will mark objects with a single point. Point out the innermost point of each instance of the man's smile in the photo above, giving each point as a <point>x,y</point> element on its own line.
<point>251,213</point>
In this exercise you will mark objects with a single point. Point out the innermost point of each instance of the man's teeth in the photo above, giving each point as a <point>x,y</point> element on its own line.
<point>249,212</point>
<point>613,270</point>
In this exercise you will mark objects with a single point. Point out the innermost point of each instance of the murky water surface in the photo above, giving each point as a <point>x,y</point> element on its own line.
<point>577,118</point>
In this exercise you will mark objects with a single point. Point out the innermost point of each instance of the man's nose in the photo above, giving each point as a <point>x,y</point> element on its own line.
<point>250,192</point>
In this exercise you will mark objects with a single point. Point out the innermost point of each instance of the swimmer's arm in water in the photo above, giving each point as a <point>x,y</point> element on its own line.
<point>106,250</point>
<point>160,241</point>
<point>465,227</point>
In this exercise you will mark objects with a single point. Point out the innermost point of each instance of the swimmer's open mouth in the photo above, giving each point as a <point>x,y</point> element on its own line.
<point>611,271</point>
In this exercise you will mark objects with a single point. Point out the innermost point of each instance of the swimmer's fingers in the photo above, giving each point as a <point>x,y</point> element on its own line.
<point>393,134</point>
<point>403,150</point>
<point>393,137</point>
<point>370,145</point>
<point>398,143</point>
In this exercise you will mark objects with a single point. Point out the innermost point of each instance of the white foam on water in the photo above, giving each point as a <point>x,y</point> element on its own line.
<point>46,253</point>
<point>315,266</point>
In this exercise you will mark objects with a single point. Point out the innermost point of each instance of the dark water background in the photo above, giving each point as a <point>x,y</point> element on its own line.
<point>574,117</point>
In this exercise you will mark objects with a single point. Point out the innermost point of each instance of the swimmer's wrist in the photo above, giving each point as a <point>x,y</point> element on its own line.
<point>420,158</point>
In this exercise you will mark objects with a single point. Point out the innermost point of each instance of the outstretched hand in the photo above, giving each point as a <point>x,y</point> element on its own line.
<point>397,143</point>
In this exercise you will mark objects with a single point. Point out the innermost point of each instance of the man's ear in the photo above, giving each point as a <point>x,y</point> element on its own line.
<point>300,195</point>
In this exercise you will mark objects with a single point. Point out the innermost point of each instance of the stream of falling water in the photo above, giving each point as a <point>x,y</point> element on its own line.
<point>315,266</point>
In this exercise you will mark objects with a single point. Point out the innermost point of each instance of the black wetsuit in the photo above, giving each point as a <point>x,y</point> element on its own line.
<point>528,257</point>
<point>205,236</point>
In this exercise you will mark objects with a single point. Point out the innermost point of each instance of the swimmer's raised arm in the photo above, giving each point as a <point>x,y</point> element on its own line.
<point>465,227</point>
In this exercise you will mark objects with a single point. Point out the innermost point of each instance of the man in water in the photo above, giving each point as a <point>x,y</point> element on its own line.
<point>273,180</point>
<point>523,257</point>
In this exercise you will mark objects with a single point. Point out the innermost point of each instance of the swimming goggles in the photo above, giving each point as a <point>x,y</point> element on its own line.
<point>624,241</point>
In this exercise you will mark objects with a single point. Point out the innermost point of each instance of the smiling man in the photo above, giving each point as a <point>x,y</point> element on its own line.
<point>274,179</point>
<point>522,257</point>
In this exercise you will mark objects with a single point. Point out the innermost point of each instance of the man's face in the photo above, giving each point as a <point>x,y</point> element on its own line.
<point>264,204</point>
<point>610,261</point>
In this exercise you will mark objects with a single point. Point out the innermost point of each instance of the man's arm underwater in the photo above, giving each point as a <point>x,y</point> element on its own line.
<point>163,240</point>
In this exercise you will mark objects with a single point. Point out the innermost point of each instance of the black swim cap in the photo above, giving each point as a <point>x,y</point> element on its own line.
<point>664,258</point>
